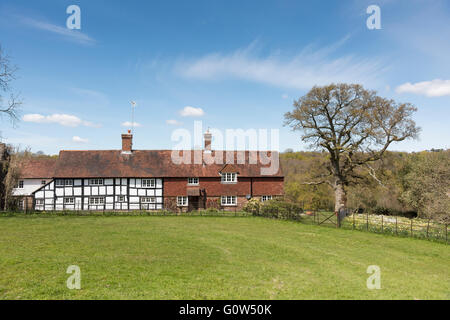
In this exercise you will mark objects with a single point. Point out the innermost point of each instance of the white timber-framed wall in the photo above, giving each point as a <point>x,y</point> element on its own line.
<point>100,194</point>
<point>28,186</point>
<point>44,198</point>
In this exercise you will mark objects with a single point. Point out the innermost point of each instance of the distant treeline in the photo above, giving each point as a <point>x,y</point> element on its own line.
<point>408,184</point>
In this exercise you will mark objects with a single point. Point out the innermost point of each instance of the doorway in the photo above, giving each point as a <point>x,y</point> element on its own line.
<point>193,203</point>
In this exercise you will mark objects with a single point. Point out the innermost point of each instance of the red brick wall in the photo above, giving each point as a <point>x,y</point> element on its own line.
<point>268,186</point>
<point>170,203</point>
<point>214,188</point>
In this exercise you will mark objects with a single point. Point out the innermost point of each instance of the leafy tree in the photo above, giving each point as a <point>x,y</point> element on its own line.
<point>426,184</point>
<point>354,126</point>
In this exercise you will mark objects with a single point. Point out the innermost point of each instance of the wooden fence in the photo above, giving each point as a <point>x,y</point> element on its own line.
<point>400,226</point>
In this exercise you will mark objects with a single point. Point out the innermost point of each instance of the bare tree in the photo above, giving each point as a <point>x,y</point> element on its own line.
<point>10,104</point>
<point>354,126</point>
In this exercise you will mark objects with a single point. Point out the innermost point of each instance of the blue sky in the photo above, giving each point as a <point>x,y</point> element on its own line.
<point>241,62</point>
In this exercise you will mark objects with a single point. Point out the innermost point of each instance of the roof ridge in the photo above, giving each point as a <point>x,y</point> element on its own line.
<point>99,150</point>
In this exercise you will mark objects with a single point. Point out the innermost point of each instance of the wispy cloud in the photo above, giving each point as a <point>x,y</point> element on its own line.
<point>308,68</point>
<point>92,95</point>
<point>73,35</point>
<point>189,111</point>
<point>130,124</point>
<point>77,139</point>
<point>174,122</point>
<point>66,120</point>
<point>434,88</point>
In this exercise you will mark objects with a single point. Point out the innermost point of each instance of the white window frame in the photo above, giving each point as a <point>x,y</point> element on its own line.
<point>63,182</point>
<point>20,184</point>
<point>148,183</point>
<point>121,199</point>
<point>228,200</point>
<point>266,198</point>
<point>193,181</point>
<point>182,201</point>
<point>39,202</point>
<point>96,182</point>
<point>69,200</point>
<point>43,182</point>
<point>148,200</point>
<point>228,177</point>
<point>100,201</point>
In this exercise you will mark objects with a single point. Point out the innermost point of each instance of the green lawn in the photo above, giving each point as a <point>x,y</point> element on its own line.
<point>211,258</point>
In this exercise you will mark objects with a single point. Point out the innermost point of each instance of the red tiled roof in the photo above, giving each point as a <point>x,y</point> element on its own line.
<point>229,168</point>
<point>145,163</point>
<point>36,168</point>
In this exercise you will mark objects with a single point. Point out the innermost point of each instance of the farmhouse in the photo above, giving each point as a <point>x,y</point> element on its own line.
<point>130,179</point>
<point>34,174</point>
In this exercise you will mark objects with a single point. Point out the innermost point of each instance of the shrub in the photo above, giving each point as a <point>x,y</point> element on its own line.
<point>212,211</point>
<point>253,206</point>
<point>280,209</point>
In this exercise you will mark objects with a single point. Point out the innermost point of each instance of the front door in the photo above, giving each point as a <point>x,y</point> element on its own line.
<point>193,203</point>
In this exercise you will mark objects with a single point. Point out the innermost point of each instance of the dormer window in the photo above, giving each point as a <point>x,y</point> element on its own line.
<point>96,182</point>
<point>64,182</point>
<point>193,181</point>
<point>148,183</point>
<point>229,177</point>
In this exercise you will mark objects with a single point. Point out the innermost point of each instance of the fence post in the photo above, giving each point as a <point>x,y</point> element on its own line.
<point>382,228</point>
<point>338,224</point>
<point>353,227</point>
<point>396,232</point>
<point>367,221</point>
<point>428,227</point>
<point>446,230</point>
<point>411,227</point>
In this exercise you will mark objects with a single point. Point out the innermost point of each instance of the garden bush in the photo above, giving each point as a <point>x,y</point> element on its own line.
<point>279,209</point>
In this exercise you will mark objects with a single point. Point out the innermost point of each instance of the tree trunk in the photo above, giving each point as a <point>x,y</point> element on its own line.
<point>340,196</point>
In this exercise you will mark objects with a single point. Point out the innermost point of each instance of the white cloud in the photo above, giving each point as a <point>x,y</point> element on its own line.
<point>284,96</point>
<point>77,139</point>
<point>308,68</point>
<point>66,120</point>
<point>189,111</point>
<point>174,122</point>
<point>434,88</point>
<point>73,35</point>
<point>129,124</point>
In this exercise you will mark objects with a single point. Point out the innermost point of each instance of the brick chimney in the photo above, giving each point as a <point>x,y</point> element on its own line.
<point>208,138</point>
<point>127,142</point>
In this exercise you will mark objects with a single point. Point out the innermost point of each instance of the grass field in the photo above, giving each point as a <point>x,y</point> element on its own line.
<point>211,258</point>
